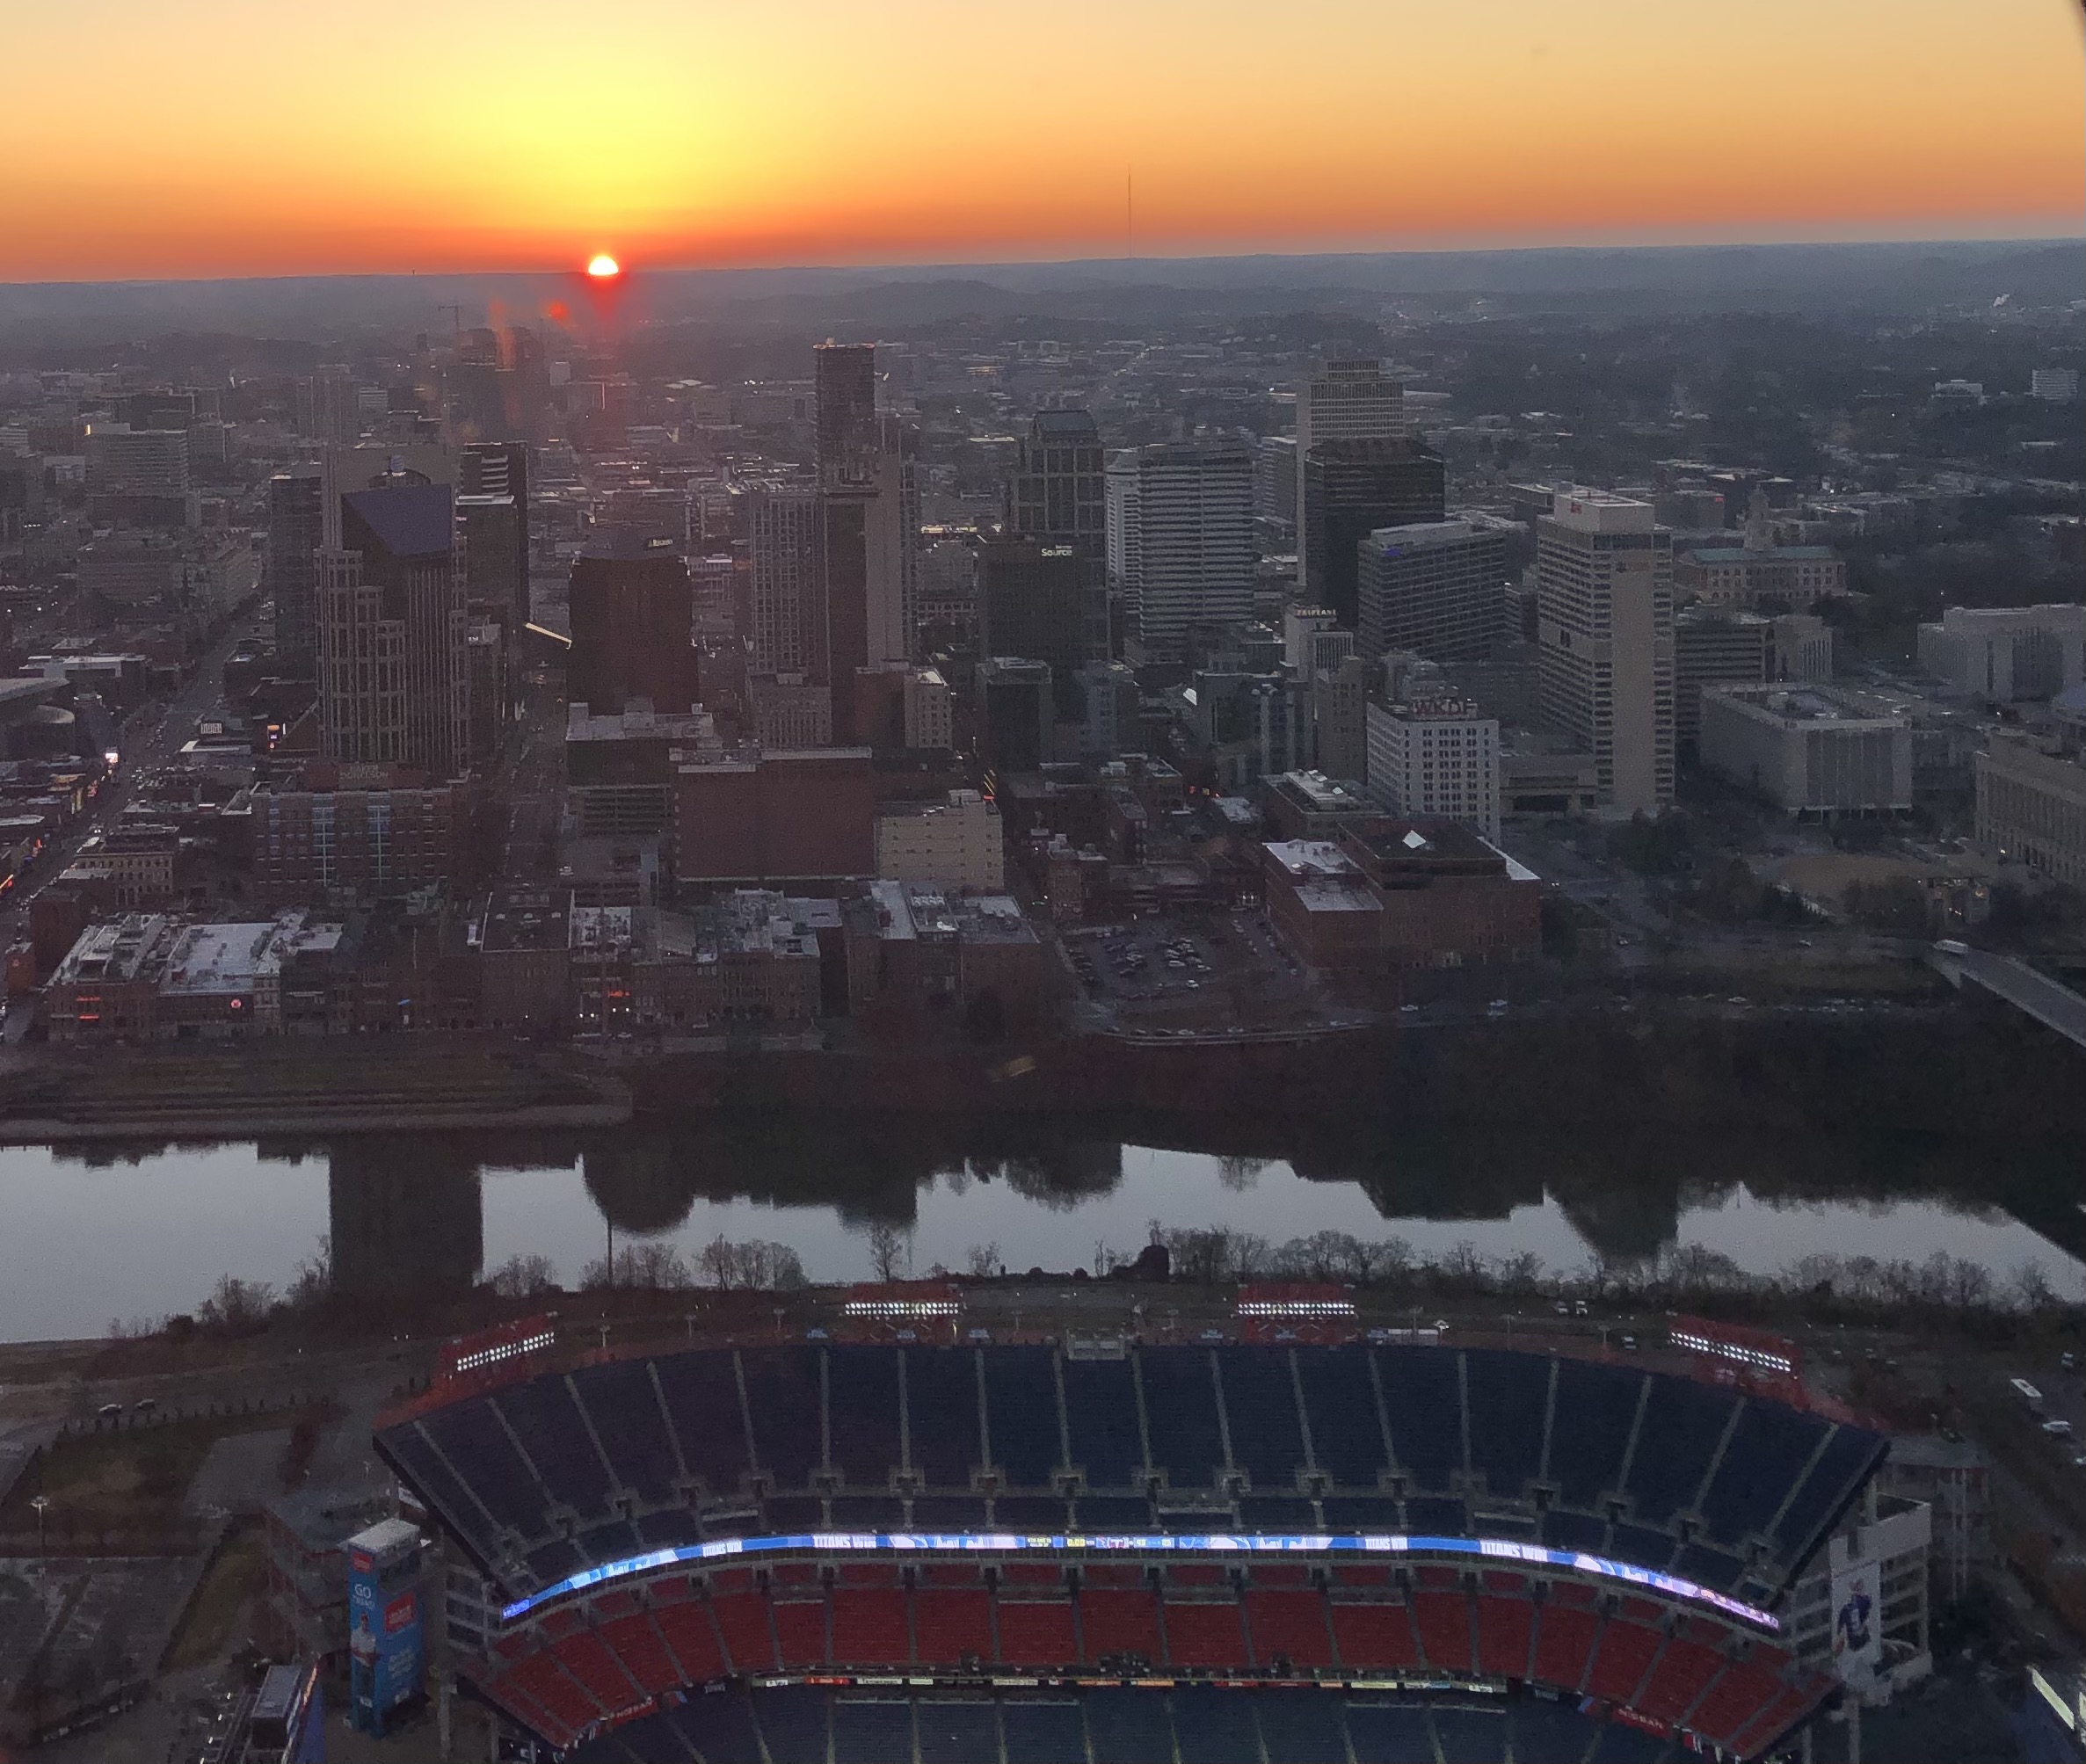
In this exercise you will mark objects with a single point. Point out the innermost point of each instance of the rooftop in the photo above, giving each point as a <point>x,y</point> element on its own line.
<point>1303,858</point>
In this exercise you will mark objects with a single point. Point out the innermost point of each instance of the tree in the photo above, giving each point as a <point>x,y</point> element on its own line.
<point>236,1306</point>
<point>890,1249</point>
<point>983,1259</point>
<point>649,1268</point>
<point>521,1276</point>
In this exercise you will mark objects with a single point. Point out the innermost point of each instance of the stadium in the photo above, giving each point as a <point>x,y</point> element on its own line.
<point>1267,1548</point>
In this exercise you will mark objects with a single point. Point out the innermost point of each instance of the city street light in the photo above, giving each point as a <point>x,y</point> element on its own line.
<point>40,1502</point>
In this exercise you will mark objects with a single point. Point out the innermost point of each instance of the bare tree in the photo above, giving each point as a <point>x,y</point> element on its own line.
<point>521,1276</point>
<point>983,1259</point>
<point>890,1249</point>
<point>236,1306</point>
<point>654,1267</point>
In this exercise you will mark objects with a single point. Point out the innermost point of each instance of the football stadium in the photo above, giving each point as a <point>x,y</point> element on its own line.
<point>1282,1547</point>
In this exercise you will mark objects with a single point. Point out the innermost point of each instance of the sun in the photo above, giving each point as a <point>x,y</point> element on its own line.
<point>603,267</point>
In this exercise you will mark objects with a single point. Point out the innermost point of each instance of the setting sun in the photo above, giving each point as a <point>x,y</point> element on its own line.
<point>603,266</point>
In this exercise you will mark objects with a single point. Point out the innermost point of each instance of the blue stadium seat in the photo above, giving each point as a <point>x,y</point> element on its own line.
<point>1767,1452</point>
<point>608,1543</point>
<point>472,1439</point>
<point>1180,1410</point>
<point>720,1727</point>
<point>416,1459</point>
<point>792,1722</point>
<point>1260,1405</point>
<point>1215,1726</point>
<point>1425,1409</point>
<point>1350,1513</point>
<point>868,1731</point>
<point>1849,1458</point>
<point>1276,1512</point>
<point>863,1396</point>
<point>1563,1531</point>
<point>782,1398</point>
<point>795,1513</point>
<point>1346,1437</point>
<point>1708,1566</point>
<point>1643,1544</point>
<point>1033,1512</point>
<point>1471,1732</point>
<point>626,1414</point>
<point>1508,1395</point>
<point>1586,1458</point>
<point>1683,1422</point>
<point>941,1398</point>
<point>1043,1732</point>
<point>668,1528</point>
<point>1113,1513</point>
<point>868,1513</point>
<point>1390,1734</point>
<point>1301,1726</point>
<point>1128,1727</point>
<point>953,1732</point>
<point>949,1513</point>
<point>546,1422</point>
<point>1435,1516</point>
<point>703,1400</point>
<point>1101,1412</point>
<point>1021,1414</point>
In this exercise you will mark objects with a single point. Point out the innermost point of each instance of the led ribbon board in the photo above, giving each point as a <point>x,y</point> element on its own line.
<point>1147,1543</point>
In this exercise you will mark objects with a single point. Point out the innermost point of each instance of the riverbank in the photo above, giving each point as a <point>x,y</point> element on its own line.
<point>1950,1068</point>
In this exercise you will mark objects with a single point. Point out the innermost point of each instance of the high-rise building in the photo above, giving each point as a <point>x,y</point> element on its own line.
<point>845,389</point>
<point>1344,401</point>
<point>1014,705</point>
<point>1716,649</point>
<point>1180,551</point>
<point>1436,756</point>
<point>1604,576</point>
<point>494,469</point>
<point>296,532</point>
<point>1032,601</point>
<point>1057,495</point>
<point>894,544</point>
<point>1275,481</point>
<point>1352,488</point>
<point>1311,638</point>
<point>1339,717</point>
<point>392,633</point>
<point>633,617</point>
<point>124,461</point>
<point>1437,587</point>
<point>783,548</point>
<point>848,579</point>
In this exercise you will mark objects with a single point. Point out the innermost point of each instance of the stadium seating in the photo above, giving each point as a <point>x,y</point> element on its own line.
<point>1374,1636</point>
<point>1505,1626</point>
<point>950,1623</point>
<point>1443,1620</point>
<point>1289,1625</point>
<point>1034,1632</point>
<point>1261,1413</point>
<point>1203,1633</point>
<point>1123,1621</point>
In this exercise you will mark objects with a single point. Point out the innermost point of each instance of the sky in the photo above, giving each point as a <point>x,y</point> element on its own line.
<point>148,138</point>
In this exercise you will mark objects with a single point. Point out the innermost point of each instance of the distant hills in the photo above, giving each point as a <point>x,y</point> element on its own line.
<point>1806,277</point>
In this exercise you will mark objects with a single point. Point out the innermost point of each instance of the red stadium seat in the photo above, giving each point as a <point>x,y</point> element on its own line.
<point>1290,1625</point>
<point>869,1626</point>
<point>1031,1574</point>
<point>587,1658</point>
<point>507,1692</point>
<point>1564,1644</point>
<point>1374,1635</point>
<point>1119,1622</point>
<point>640,1652</point>
<point>742,1620</point>
<point>1683,1671</point>
<point>949,1622</point>
<point>563,1697</point>
<point>1444,1624</point>
<point>1777,1716</point>
<point>1505,1623</point>
<point>686,1630</point>
<point>800,1631</point>
<point>1037,1633</point>
<point>1620,1657</point>
<point>1280,1574</point>
<point>1204,1634</point>
<point>1198,1574</point>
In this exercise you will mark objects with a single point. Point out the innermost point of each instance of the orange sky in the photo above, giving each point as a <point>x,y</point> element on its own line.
<point>210,137</point>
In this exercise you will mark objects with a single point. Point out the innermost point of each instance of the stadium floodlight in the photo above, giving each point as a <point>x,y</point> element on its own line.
<point>1297,1307</point>
<point>505,1350</point>
<point>1765,1360</point>
<point>1141,1544</point>
<point>902,1307</point>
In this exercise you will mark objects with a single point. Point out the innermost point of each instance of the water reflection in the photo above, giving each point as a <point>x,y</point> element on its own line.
<point>96,1232</point>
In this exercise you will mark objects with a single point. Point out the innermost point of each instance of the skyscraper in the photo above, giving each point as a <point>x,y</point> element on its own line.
<point>782,546</point>
<point>1353,486</point>
<point>845,386</point>
<point>393,634</point>
<point>1438,587</point>
<point>1058,495</point>
<point>1344,401</point>
<point>296,531</point>
<point>633,616</point>
<point>1032,602</point>
<point>894,544</point>
<point>495,469</point>
<point>846,577</point>
<point>1604,612</point>
<point>1181,550</point>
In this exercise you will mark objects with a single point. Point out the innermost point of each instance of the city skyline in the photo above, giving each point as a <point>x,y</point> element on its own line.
<point>438,144</point>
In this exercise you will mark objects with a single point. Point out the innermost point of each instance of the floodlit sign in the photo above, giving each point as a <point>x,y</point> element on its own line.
<point>1142,1543</point>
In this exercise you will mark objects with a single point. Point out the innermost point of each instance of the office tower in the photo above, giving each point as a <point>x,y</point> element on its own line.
<point>1275,481</point>
<point>1352,488</point>
<point>1438,587</point>
<point>126,461</point>
<point>633,617</point>
<point>1014,700</point>
<point>296,531</point>
<point>846,581</point>
<point>894,544</point>
<point>1311,638</point>
<point>1057,495</point>
<point>392,633</point>
<point>1181,550</point>
<point>492,469</point>
<point>1436,755</point>
<point>1345,400</point>
<point>328,408</point>
<point>1339,696</point>
<point>1604,575</point>
<point>782,547</point>
<point>1716,649</point>
<point>844,381</point>
<point>1032,602</point>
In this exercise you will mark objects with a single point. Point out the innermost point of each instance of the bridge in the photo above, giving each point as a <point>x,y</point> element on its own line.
<point>2053,1006</point>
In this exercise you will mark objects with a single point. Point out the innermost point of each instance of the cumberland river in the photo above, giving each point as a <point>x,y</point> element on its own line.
<point>132,1233</point>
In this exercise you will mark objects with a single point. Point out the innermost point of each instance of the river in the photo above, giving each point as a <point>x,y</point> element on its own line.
<point>89,1237</point>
